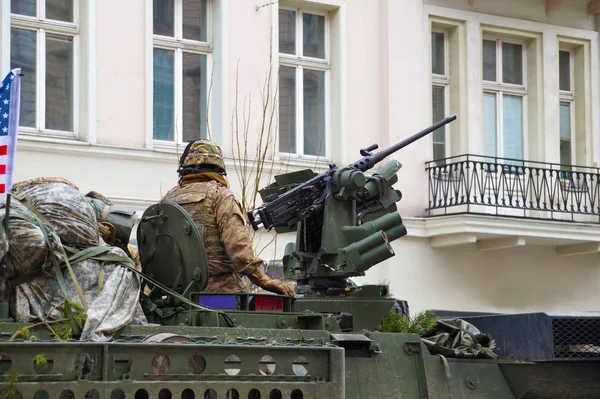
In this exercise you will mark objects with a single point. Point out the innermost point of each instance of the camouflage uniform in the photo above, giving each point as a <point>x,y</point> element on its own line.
<point>219,218</point>
<point>221,223</point>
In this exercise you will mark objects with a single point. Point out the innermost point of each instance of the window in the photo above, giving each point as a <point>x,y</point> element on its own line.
<point>440,80</point>
<point>180,79</point>
<point>43,40</point>
<point>504,91</point>
<point>303,88</point>
<point>565,72</point>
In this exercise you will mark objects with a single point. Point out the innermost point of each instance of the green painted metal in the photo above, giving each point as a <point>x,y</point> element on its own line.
<point>171,248</point>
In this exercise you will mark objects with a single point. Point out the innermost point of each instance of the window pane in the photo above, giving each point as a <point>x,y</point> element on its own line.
<point>59,82</point>
<point>23,7</point>
<point>287,31</point>
<point>512,122</point>
<point>194,96</point>
<point>23,55</point>
<point>164,17</point>
<point>313,35</point>
<point>194,20</point>
<point>164,106</point>
<point>439,136</point>
<point>314,112</point>
<point>489,60</point>
<point>61,10</point>
<point>489,125</point>
<point>512,63</point>
<point>287,109</point>
<point>564,65</point>
<point>437,53</point>
<point>565,133</point>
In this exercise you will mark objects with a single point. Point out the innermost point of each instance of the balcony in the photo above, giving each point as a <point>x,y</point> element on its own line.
<point>498,202</point>
<point>501,186</point>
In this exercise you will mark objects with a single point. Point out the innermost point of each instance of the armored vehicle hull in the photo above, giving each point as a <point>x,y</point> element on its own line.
<point>221,362</point>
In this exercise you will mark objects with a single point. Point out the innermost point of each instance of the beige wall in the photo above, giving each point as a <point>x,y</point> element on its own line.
<point>522,279</point>
<point>120,70</point>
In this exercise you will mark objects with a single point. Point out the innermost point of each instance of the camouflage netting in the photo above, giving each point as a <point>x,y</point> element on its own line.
<point>110,291</point>
<point>64,207</point>
<point>29,250</point>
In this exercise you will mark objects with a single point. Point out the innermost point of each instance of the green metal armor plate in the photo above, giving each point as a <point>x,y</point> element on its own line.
<point>171,248</point>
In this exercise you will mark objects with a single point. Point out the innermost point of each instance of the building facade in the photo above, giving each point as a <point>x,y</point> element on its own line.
<point>502,206</point>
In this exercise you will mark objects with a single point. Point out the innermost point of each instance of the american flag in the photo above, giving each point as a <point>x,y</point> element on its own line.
<point>10,101</point>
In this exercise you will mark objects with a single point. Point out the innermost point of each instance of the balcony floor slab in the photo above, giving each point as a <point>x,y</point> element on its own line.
<point>498,232</point>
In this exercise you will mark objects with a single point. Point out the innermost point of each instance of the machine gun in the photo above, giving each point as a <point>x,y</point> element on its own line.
<point>344,220</point>
<point>306,199</point>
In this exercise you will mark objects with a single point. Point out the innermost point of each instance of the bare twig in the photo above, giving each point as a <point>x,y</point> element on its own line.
<point>41,323</point>
<point>254,156</point>
<point>266,5</point>
<point>212,74</point>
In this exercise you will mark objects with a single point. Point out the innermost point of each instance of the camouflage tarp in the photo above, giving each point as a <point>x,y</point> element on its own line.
<point>63,206</point>
<point>458,338</point>
<point>110,290</point>
<point>29,252</point>
<point>104,295</point>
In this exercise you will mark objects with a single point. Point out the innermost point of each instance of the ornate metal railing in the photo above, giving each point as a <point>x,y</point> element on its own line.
<point>501,186</point>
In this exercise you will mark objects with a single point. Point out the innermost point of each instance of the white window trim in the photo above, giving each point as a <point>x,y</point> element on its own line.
<point>498,84</point>
<point>178,45</point>
<point>43,27</point>
<point>569,97</point>
<point>499,89</point>
<point>443,81</point>
<point>299,62</point>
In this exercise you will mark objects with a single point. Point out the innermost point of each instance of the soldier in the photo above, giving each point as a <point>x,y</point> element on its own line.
<point>203,192</point>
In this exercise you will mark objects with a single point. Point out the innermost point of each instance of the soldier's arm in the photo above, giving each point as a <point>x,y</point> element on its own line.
<point>235,234</point>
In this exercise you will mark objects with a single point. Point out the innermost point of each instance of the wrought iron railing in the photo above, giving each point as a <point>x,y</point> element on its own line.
<point>501,186</point>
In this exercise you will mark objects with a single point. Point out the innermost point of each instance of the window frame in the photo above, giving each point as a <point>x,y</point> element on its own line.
<point>569,97</point>
<point>299,62</point>
<point>42,26</point>
<point>442,81</point>
<point>178,44</point>
<point>499,89</point>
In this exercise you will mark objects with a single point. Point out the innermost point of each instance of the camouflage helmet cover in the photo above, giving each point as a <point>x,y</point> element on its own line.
<point>202,152</point>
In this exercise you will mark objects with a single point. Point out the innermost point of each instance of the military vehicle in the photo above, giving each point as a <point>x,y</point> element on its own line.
<point>325,342</point>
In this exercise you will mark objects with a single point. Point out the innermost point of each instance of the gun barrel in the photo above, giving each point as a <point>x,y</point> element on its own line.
<point>369,161</point>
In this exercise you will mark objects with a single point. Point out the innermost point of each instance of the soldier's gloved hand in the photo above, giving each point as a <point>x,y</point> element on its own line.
<point>258,277</point>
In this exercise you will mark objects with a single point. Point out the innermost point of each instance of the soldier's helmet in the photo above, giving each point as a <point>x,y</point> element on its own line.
<point>202,154</point>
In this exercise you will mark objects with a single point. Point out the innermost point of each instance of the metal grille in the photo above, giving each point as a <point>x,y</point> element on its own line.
<point>576,338</point>
<point>477,184</point>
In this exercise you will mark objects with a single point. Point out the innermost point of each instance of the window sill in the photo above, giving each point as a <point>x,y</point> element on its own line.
<point>46,135</point>
<point>72,146</point>
<point>314,163</point>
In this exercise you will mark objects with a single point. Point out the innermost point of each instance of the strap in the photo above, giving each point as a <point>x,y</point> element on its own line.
<point>105,213</point>
<point>100,253</point>
<point>41,222</point>
<point>446,366</point>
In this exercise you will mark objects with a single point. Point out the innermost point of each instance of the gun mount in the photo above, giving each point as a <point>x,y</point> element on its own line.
<point>344,220</point>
